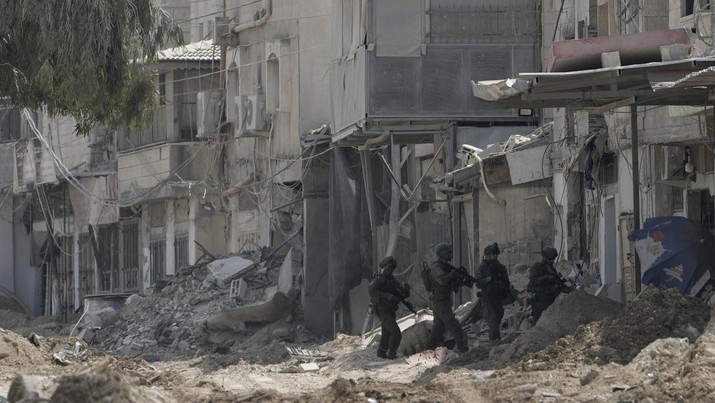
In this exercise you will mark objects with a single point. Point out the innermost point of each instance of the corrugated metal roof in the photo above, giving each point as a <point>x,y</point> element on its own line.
<point>197,51</point>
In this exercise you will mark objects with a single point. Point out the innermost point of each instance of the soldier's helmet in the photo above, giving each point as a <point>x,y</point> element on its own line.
<point>492,249</point>
<point>549,253</point>
<point>389,261</point>
<point>442,249</point>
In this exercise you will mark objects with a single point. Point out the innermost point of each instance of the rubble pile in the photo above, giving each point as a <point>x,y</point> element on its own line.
<point>200,310</point>
<point>619,338</point>
<point>563,317</point>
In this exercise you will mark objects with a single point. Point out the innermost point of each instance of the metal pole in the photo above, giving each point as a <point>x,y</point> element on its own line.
<point>636,189</point>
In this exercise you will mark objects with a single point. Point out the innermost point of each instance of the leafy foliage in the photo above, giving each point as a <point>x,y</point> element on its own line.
<point>83,58</point>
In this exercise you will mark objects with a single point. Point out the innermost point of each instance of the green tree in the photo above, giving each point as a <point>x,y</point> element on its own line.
<point>83,58</point>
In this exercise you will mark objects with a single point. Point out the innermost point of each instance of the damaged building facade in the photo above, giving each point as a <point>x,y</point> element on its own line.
<point>619,74</point>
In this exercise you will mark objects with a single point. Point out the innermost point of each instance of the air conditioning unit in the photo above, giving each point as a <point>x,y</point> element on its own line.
<point>251,110</point>
<point>208,113</point>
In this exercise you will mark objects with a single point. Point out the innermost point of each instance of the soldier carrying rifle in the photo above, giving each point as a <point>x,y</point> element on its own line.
<point>441,280</point>
<point>385,296</point>
<point>493,280</point>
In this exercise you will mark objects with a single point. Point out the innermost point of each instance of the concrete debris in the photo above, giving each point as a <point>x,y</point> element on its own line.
<point>415,331</point>
<point>222,271</point>
<point>195,311</point>
<point>99,318</point>
<point>587,376</point>
<point>431,358</point>
<point>303,354</point>
<point>661,355</point>
<point>239,289</point>
<point>276,306</point>
<point>309,367</point>
<point>35,339</point>
<point>483,375</point>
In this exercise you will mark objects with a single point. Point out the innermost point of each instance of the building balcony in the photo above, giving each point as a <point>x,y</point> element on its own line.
<point>143,173</point>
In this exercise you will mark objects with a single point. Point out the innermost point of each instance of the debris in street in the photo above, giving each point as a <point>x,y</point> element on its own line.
<point>431,358</point>
<point>222,271</point>
<point>195,312</point>
<point>588,375</point>
<point>619,338</point>
<point>306,354</point>
<point>309,367</point>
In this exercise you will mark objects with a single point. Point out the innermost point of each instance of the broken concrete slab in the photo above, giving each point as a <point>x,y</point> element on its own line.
<point>285,275</point>
<point>309,367</point>
<point>303,354</point>
<point>100,318</point>
<point>431,358</point>
<point>222,271</point>
<point>239,289</point>
<point>276,306</point>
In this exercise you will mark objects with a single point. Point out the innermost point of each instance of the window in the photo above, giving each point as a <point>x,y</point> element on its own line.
<point>181,251</point>
<point>10,128</point>
<point>162,89</point>
<point>688,7</point>
<point>157,259</point>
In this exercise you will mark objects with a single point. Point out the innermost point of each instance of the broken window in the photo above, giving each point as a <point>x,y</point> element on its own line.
<point>107,261</point>
<point>130,271</point>
<point>65,273</point>
<point>86,266</point>
<point>181,250</point>
<point>157,259</point>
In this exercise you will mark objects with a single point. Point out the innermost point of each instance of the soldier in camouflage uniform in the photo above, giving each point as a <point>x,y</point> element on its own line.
<point>545,283</point>
<point>444,282</point>
<point>493,281</point>
<point>385,295</point>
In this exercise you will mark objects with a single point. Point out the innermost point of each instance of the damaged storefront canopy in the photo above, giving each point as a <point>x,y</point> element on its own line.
<point>680,82</point>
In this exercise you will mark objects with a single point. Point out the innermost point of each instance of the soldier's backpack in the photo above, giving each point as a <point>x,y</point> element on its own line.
<point>427,277</point>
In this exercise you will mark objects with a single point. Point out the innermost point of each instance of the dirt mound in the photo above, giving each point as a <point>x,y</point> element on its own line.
<point>653,315</point>
<point>362,390</point>
<point>15,350</point>
<point>563,317</point>
<point>103,385</point>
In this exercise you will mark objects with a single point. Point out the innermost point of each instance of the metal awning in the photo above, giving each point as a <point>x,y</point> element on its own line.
<point>681,82</point>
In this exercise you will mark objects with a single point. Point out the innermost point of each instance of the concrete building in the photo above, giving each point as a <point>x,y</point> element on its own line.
<point>607,185</point>
<point>399,103</point>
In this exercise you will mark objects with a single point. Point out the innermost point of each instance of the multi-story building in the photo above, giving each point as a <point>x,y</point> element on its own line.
<point>618,73</point>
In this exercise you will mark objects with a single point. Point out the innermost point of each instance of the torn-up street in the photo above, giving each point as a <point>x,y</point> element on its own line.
<point>357,201</point>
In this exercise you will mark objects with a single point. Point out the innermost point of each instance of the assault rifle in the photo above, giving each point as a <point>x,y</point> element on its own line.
<point>462,277</point>
<point>404,293</point>
<point>564,287</point>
